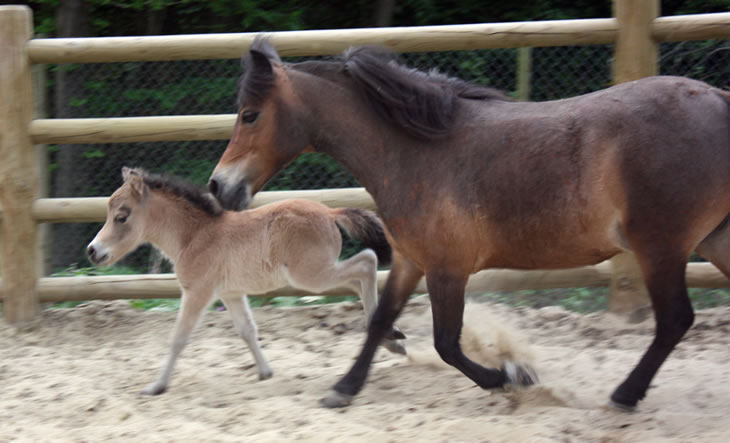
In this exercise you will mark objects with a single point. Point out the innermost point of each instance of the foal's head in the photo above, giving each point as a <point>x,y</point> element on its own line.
<point>124,227</point>
<point>145,207</point>
<point>269,131</point>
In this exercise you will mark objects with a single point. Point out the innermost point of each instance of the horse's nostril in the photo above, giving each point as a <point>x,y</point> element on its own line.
<point>90,252</point>
<point>213,186</point>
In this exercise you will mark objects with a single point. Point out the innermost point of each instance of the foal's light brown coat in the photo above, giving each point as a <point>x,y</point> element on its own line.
<point>227,254</point>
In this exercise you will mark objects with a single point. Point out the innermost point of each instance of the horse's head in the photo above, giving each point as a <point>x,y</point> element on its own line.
<point>124,227</point>
<point>269,131</point>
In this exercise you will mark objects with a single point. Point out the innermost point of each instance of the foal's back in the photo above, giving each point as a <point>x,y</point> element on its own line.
<point>252,251</point>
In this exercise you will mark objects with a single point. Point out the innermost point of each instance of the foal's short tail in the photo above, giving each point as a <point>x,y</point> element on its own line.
<point>365,226</point>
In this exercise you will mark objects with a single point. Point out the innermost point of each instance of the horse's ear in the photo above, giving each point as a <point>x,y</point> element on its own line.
<point>263,54</point>
<point>126,172</point>
<point>260,62</point>
<point>134,178</point>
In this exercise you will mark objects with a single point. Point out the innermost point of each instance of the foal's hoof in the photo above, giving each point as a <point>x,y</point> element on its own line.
<point>520,375</point>
<point>265,375</point>
<point>335,399</point>
<point>394,346</point>
<point>153,389</point>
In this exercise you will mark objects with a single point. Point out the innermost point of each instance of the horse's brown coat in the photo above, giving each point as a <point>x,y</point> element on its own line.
<point>643,166</point>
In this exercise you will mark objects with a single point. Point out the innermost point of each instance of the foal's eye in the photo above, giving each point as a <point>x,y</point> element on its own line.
<point>249,116</point>
<point>121,218</point>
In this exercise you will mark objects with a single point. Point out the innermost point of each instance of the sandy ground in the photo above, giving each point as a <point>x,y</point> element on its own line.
<point>78,379</point>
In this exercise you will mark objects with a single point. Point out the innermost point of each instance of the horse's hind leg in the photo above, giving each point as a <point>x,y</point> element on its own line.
<point>664,274</point>
<point>403,278</point>
<point>447,305</point>
<point>193,303</point>
<point>245,326</point>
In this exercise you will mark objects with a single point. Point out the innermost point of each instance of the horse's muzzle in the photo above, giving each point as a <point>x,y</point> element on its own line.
<point>232,198</point>
<point>96,256</point>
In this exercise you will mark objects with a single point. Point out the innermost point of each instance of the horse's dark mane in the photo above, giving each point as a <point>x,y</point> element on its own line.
<point>422,103</point>
<point>198,197</point>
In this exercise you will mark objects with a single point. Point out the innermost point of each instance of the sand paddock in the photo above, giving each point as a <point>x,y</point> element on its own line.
<point>78,378</point>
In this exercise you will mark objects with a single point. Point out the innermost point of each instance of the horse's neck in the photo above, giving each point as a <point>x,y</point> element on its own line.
<point>353,138</point>
<point>170,224</point>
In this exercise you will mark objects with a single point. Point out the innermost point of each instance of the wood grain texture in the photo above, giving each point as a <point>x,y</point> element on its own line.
<point>18,170</point>
<point>113,287</point>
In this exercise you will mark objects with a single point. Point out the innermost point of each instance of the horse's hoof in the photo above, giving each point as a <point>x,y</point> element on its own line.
<point>265,375</point>
<point>395,347</point>
<point>622,407</point>
<point>623,404</point>
<point>520,375</point>
<point>397,334</point>
<point>154,389</point>
<point>335,399</point>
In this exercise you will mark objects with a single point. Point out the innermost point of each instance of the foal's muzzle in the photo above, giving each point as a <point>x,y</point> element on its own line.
<point>95,255</point>
<point>232,197</point>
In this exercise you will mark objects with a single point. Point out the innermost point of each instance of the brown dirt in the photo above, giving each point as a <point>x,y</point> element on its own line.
<point>78,378</point>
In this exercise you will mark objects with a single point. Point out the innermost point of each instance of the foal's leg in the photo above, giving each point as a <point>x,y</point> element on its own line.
<point>403,278</point>
<point>446,291</point>
<point>716,248</point>
<point>193,304</point>
<point>363,267</point>
<point>245,326</point>
<point>665,279</point>
<point>358,273</point>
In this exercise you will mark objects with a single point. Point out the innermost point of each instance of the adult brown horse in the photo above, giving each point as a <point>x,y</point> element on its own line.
<point>466,179</point>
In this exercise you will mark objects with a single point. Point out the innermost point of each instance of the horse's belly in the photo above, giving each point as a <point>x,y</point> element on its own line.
<point>569,247</point>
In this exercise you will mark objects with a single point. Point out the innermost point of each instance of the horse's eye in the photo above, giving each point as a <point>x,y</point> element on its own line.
<point>249,116</point>
<point>121,218</point>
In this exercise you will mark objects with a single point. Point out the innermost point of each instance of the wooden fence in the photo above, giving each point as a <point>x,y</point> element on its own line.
<point>635,30</point>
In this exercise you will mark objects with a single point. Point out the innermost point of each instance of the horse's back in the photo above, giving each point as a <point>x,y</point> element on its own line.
<point>561,183</point>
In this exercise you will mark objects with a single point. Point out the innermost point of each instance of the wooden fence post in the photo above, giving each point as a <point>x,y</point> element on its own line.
<point>524,73</point>
<point>635,56</point>
<point>39,111</point>
<point>18,169</point>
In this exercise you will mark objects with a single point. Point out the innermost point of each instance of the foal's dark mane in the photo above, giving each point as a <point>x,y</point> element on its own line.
<point>196,196</point>
<point>421,103</point>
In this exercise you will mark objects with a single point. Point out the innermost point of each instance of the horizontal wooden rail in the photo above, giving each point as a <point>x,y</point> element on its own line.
<point>93,209</point>
<point>112,287</point>
<point>325,42</point>
<point>691,27</point>
<point>132,129</point>
<point>402,39</point>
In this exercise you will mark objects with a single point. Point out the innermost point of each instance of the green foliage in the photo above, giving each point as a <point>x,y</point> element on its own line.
<point>156,304</point>
<point>75,271</point>
<point>306,300</point>
<point>585,300</point>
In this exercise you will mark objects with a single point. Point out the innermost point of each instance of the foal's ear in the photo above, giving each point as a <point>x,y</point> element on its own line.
<point>133,177</point>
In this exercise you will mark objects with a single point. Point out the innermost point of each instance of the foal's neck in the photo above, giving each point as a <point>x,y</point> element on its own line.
<point>172,223</point>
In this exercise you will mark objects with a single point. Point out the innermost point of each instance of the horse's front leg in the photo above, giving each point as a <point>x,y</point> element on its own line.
<point>446,291</point>
<point>403,278</point>
<point>193,304</point>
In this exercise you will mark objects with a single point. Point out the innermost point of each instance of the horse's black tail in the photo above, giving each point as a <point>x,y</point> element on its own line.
<point>365,226</point>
